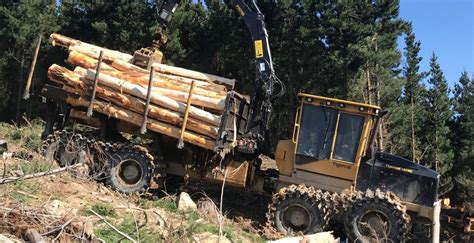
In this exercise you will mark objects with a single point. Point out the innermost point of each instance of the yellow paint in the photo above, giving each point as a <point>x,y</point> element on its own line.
<point>258,48</point>
<point>399,168</point>
<point>333,167</point>
<point>285,157</point>
<point>338,101</point>
<point>241,12</point>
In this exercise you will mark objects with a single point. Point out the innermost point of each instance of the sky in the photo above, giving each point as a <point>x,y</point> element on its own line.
<point>445,27</point>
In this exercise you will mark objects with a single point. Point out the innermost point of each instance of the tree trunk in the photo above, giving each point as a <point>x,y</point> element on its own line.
<point>79,59</point>
<point>111,55</point>
<point>413,139</point>
<point>158,99</point>
<point>163,68</point>
<point>75,85</point>
<point>19,93</point>
<point>130,68</point>
<point>136,119</point>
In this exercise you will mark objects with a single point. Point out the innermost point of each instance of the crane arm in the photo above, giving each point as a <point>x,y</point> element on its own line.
<point>265,80</point>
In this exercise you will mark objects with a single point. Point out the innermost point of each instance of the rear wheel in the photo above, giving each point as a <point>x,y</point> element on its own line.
<point>377,217</point>
<point>65,147</point>
<point>130,171</point>
<point>297,209</point>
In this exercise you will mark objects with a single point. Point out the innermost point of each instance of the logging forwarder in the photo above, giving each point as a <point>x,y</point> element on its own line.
<point>328,170</point>
<point>332,151</point>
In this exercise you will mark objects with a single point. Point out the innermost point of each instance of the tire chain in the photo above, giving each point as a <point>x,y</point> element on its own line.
<point>388,199</point>
<point>337,205</point>
<point>299,191</point>
<point>102,150</point>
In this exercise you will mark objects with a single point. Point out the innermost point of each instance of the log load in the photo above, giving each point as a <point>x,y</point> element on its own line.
<point>111,55</point>
<point>122,89</point>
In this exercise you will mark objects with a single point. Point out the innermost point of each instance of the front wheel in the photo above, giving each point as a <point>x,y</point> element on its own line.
<point>296,209</point>
<point>377,217</point>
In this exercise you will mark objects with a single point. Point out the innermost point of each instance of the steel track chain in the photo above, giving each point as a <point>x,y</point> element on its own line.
<point>337,205</point>
<point>102,151</point>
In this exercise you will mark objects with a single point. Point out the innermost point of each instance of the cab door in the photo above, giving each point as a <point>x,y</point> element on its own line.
<point>329,141</point>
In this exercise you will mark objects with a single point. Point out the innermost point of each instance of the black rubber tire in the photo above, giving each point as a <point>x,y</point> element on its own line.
<point>129,159</point>
<point>315,215</point>
<point>359,232</point>
<point>65,148</point>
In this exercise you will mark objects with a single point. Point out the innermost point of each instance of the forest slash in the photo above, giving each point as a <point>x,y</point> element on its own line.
<point>65,204</point>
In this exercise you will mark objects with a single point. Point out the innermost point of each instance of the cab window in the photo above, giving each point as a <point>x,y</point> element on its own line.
<point>349,130</point>
<point>316,134</point>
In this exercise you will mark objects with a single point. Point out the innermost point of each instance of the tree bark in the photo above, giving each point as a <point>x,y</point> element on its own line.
<point>163,68</point>
<point>112,55</point>
<point>75,85</point>
<point>137,75</point>
<point>157,99</point>
<point>20,86</point>
<point>136,119</point>
<point>130,68</point>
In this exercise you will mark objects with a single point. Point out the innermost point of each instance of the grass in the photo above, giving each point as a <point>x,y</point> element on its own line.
<point>27,186</point>
<point>227,230</point>
<point>128,227</point>
<point>37,165</point>
<point>21,198</point>
<point>167,203</point>
<point>27,136</point>
<point>105,210</point>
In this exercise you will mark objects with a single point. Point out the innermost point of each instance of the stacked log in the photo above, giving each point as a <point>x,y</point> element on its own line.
<point>122,89</point>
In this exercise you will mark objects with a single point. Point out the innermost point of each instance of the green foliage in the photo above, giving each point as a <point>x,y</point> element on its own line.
<point>463,132</point>
<point>439,155</point>
<point>21,198</point>
<point>37,165</point>
<point>27,136</point>
<point>106,210</point>
<point>126,26</point>
<point>21,24</point>
<point>27,186</point>
<point>128,227</point>
<point>168,203</point>
<point>406,118</point>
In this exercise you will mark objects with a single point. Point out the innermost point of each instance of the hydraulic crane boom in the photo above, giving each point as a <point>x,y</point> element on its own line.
<point>266,80</point>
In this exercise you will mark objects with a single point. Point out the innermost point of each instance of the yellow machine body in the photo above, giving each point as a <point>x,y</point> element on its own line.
<point>335,170</point>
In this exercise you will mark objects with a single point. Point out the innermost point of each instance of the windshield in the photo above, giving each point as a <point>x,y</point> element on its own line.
<point>317,130</point>
<point>316,133</point>
<point>349,130</point>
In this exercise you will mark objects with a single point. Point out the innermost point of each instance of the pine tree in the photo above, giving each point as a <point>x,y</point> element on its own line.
<point>20,24</point>
<point>407,115</point>
<point>413,89</point>
<point>436,130</point>
<point>463,132</point>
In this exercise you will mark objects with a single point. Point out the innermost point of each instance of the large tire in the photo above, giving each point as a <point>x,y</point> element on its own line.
<point>131,169</point>
<point>298,209</point>
<point>66,148</point>
<point>376,217</point>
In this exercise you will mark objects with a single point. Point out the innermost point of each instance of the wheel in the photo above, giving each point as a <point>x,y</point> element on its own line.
<point>64,147</point>
<point>130,170</point>
<point>377,217</point>
<point>296,209</point>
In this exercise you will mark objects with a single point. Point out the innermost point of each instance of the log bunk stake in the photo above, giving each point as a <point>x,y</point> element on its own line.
<point>147,104</point>
<point>186,113</point>
<point>96,82</point>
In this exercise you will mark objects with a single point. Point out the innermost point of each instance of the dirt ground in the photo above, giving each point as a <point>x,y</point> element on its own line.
<point>70,206</point>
